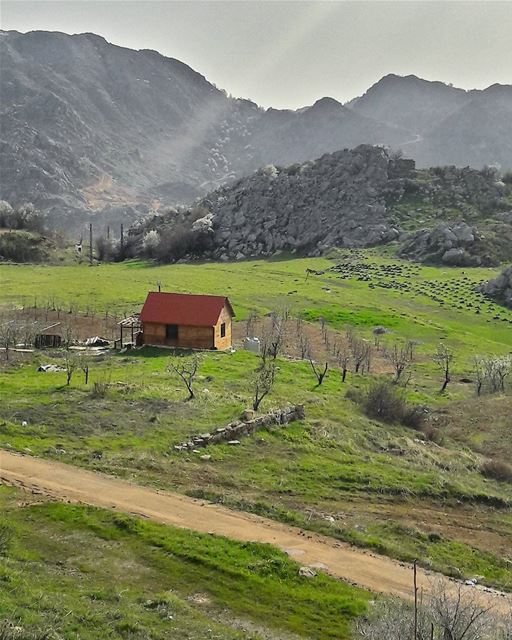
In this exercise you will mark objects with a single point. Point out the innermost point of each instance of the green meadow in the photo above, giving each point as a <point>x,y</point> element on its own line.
<point>76,572</point>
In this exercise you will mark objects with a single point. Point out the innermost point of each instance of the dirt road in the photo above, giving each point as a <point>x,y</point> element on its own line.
<point>377,573</point>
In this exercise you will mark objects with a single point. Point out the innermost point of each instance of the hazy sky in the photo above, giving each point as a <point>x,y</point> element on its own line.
<point>288,54</point>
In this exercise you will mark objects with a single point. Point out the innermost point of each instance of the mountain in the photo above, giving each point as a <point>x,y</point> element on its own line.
<point>351,198</point>
<point>88,127</point>
<point>447,125</point>
<point>410,102</point>
<point>86,124</point>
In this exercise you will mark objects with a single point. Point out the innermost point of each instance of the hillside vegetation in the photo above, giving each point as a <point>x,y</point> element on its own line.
<point>421,490</point>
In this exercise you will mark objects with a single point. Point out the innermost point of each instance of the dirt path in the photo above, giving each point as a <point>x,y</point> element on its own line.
<point>65,482</point>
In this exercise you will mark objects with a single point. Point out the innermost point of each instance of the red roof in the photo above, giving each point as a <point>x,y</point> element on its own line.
<point>183,309</point>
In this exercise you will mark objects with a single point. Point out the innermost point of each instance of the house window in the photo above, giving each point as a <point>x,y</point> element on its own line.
<point>223,330</point>
<point>171,332</point>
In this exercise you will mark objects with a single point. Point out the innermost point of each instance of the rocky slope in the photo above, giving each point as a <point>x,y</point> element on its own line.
<point>87,126</point>
<point>352,198</point>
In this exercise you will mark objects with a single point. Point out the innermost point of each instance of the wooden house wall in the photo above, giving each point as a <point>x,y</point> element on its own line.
<point>188,337</point>
<point>223,343</point>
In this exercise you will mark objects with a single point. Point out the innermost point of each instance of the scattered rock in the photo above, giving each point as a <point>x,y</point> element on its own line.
<point>307,572</point>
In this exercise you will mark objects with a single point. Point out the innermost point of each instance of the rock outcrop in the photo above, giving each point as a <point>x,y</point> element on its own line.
<point>500,289</point>
<point>445,244</point>
<point>352,198</point>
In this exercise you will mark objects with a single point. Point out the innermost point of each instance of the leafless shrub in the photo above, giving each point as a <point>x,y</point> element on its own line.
<point>100,388</point>
<point>385,402</point>
<point>497,470</point>
<point>443,615</point>
<point>105,249</point>
<point>415,417</point>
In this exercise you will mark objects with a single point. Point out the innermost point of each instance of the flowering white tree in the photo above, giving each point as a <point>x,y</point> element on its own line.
<point>151,241</point>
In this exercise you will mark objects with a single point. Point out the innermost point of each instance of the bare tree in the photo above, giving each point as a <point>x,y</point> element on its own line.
<point>479,373</point>
<point>302,339</point>
<point>250,324</point>
<point>361,354</point>
<point>273,337</point>
<point>319,372</point>
<point>491,372</point>
<point>71,364</point>
<point>344,362</point>
<point>443,358</point>
<point>186,367</point>
<point>263,382</point>
<point>84,365</point>
<point>400,356</point>
<point>502,368</point>
<point>9,335</point>
<point>69,334</point>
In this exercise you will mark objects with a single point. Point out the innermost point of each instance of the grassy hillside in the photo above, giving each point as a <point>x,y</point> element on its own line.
<point>425,302</point>
<point>90,573</point>
<point>382,486</point>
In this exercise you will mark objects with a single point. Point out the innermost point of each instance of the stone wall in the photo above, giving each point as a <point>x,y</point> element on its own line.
<point>247,425</point>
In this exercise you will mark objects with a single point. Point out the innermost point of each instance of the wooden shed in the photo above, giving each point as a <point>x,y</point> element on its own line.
<point>49,337</point>
<point>186,321</point>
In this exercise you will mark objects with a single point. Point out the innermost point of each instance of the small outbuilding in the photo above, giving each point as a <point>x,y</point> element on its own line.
<point>186,321</point>
<point>49,337</point>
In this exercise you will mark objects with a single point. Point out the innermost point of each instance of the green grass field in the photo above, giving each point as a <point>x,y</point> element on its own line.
<point>88,573</point>
<point>375,485</point>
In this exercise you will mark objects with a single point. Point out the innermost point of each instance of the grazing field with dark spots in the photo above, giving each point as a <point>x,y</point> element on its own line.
<point>395,489</point>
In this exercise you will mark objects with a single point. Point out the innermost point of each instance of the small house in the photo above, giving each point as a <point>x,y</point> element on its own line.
<point>186,321</point>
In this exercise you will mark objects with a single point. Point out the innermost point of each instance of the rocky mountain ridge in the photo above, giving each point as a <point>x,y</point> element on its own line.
<point>88,127</point>
<point>352,198</point>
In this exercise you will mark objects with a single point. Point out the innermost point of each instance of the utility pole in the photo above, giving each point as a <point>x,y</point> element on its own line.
<point>90,244</point>
<point>415,600</point>
<point>121,243</point>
